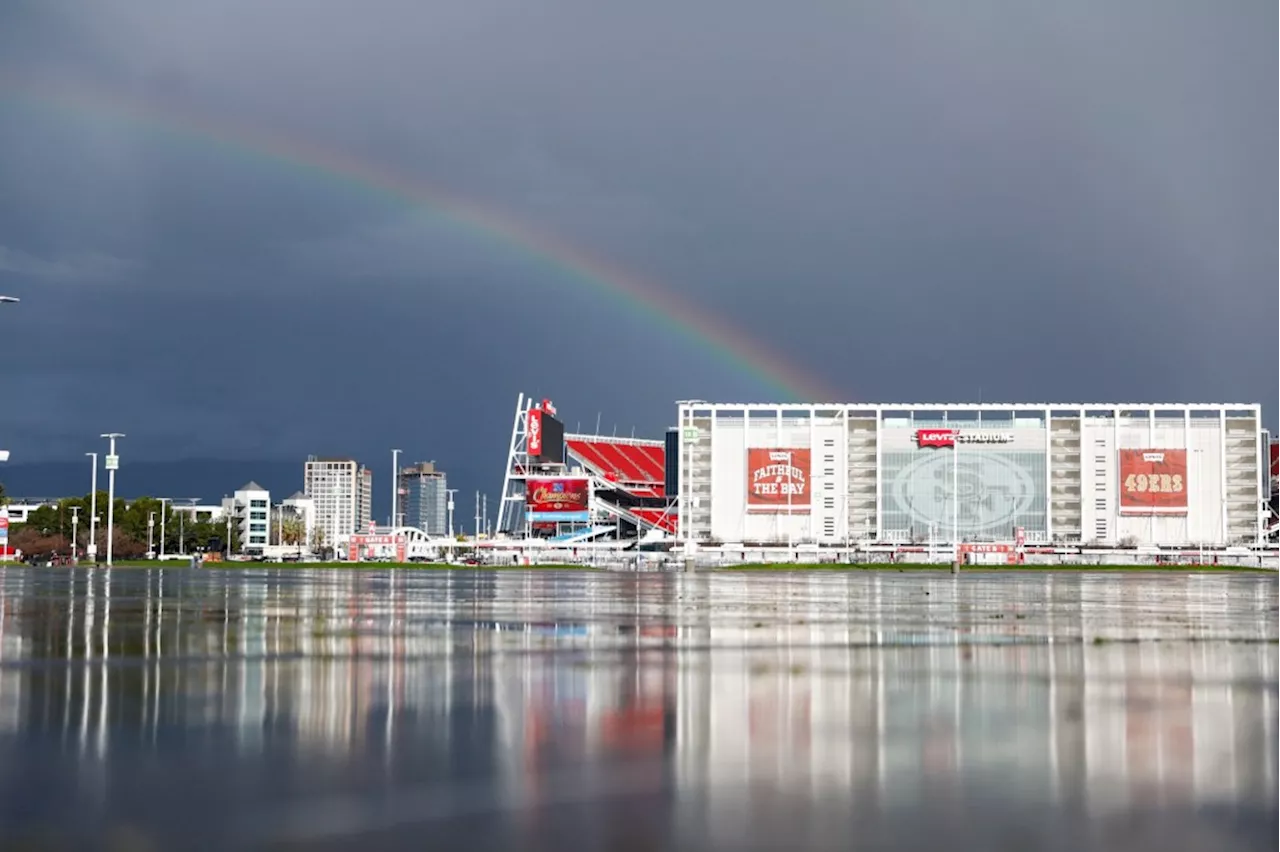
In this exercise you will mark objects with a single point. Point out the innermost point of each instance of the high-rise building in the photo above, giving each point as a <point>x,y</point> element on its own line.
<point>424,498</point>
<point>364,499</point>
<point>342,492</point>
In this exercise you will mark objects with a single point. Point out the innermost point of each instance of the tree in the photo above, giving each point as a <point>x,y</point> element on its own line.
<point>32,541</point>
<point>293,531</point>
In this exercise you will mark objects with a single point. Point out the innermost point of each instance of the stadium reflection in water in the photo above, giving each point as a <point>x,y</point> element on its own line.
<point>362,709</point>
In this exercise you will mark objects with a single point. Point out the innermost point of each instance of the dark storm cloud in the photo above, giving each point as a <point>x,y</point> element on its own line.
<point>1043,201</point>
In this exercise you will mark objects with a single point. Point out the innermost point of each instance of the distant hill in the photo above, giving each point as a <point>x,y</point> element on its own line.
<point>208,479</point>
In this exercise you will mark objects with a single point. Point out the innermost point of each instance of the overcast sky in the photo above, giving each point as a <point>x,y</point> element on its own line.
<point>905,201</point>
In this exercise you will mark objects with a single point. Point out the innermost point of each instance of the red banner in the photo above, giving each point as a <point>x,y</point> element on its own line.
<point>533,431</point>
<point>557,495</point>
<point>1153,480</point>
<point>778,479</point>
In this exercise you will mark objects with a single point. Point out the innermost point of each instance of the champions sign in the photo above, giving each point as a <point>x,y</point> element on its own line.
<point>778,480</point>
<point>1153,481</point>
<point>557,500</point>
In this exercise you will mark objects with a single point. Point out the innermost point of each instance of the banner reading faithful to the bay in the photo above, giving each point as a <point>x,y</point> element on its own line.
<point>778,480</point>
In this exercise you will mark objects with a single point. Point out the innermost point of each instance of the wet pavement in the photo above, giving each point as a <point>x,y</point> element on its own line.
<point>291,709</point>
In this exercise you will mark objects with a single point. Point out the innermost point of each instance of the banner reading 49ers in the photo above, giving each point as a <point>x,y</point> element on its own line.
<point>778,479</point>
<point>1153,481</point>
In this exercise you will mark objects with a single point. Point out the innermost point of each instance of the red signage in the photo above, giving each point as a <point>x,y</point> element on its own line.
<point>557,495</point>
<point>365,545</point>
<point>1153,480</point>
<point>936,437</point>
<point>534,432</point>
<point>778,479</point>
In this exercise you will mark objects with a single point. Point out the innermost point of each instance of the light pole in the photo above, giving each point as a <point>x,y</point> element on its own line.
<point>75,523</point>
<point>955,505</point>
<point>163,513</point>
<point>395,484</point>
<point>791,545</point>
<point>449,492</point>
<point>92,549</point>
<point>182,522</point>
<point>112,463</point>
<point>151,527</point>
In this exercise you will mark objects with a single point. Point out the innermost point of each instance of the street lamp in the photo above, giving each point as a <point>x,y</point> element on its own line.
<point>395,484</point>
<point>163,513</point>
<point>112,463</point>
<point>182,522</point>
<point>75,524</point>
<point>791,546</point>
<point>449,492</point>
<point>151,526</point>
<point>92,549</point>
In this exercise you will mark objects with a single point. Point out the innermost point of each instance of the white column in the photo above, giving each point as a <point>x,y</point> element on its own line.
<point>395,486</point>
<point>1222,476</point>
<point>1048,475</point>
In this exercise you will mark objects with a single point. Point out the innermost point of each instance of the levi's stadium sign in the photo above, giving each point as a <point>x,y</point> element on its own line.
<point>951,437</point>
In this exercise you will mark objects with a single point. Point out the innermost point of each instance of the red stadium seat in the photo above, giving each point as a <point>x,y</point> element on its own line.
<point>637,468</point>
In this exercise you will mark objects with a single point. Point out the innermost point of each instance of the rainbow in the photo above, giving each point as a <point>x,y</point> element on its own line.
<point>633,292</point>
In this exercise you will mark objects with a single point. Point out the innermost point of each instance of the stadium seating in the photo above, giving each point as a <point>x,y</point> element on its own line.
<point>659,518</point>
<point>626,464</point>
<point>637,469</point>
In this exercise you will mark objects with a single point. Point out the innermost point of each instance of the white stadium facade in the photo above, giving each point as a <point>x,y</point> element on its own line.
<point>1108,475</point>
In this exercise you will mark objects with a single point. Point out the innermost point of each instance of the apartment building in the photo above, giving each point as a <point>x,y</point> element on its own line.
<point>249,508</point>
<point>341,490</point>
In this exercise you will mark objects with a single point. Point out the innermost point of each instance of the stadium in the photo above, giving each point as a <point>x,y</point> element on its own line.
<point>582,491</point>
<point>991,481</point>
<point>993,476</point>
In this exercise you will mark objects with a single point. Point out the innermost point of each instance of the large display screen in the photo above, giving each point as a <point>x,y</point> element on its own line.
<point>565,500</point>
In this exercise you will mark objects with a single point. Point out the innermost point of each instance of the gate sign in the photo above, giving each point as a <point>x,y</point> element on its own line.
<point>1153,481</point>
<point>778,480</point>
<point>373,546</point>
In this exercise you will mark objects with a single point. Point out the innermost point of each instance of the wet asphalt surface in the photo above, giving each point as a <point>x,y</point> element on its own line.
<point>250,709</point>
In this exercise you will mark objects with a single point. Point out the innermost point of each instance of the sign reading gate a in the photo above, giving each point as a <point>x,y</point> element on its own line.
<point>778,480</point>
